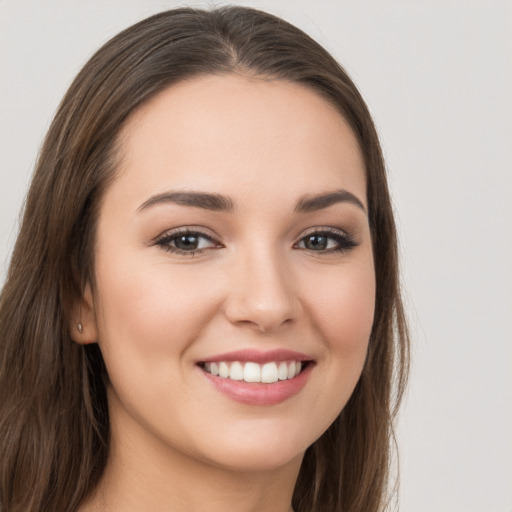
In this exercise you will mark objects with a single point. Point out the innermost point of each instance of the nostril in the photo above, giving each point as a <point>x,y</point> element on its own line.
<point>263,299</point>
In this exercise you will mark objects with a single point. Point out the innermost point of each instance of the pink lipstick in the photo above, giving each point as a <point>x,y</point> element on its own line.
<point>258,378</point>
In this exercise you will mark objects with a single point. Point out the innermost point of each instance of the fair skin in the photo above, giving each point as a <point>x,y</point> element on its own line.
<point>180,286</point>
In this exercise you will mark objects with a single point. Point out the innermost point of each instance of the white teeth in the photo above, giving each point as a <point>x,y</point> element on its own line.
<point>269,373</point>
<point>223,370</point>
<point>214,368</point>
<point>292,369</point>
<point>254,372</point>
<point>282,370</point>
<point>236,372</point>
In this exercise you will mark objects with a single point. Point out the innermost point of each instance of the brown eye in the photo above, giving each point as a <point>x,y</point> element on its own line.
<point>327,241</point>
<point>186,242</point>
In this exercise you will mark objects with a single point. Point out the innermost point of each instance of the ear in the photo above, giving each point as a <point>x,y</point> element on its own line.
<point>83,327</point>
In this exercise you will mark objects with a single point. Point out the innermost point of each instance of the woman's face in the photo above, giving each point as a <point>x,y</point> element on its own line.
<point>233,244</point>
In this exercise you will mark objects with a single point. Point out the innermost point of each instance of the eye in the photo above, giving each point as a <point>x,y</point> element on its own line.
<point>327,240</point>
<point>186,241</point>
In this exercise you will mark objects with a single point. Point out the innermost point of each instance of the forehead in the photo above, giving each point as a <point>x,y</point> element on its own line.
<point>238,135</point>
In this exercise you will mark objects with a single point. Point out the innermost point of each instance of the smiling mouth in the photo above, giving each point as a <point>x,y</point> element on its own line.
<point>252,372</point>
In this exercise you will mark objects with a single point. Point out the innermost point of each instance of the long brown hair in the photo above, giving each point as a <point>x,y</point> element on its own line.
<point>54,425</point>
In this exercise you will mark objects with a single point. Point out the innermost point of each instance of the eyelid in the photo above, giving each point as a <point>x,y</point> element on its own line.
<point>345,240</point>
<point>183,230</point>
<point>164,240</point>
<point>324,229</point>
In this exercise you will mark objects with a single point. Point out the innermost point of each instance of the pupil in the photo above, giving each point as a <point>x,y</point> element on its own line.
<point>185,242</point>
<point>316,242</point>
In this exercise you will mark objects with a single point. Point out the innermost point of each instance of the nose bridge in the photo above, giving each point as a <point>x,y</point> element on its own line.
<point>262,288</point>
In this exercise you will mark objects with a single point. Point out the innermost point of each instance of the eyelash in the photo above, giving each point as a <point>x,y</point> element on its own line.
<point>344,241</point>
<point>166,239</point>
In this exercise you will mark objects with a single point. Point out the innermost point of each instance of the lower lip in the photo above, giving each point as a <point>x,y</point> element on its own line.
<point>254,393</point>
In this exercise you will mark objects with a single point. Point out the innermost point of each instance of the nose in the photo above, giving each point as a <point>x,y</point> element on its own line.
<point>262,293</point>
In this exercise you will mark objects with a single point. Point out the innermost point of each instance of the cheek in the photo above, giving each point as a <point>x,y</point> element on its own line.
<point>149,316</point>
<point>344,310</point>
<point>150,310</point>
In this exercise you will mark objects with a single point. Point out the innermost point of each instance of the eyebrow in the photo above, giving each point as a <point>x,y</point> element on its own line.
<point>221,203</point>
<point>311,203</point>
<point>213,202</point>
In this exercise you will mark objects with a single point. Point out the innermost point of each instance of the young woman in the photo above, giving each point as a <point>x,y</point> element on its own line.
<point>202,311</point>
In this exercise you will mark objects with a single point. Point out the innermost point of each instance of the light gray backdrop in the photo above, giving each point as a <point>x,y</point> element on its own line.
<point>437,76</point>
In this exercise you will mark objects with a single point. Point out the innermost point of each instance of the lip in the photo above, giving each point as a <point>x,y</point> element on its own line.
<point>258,393</point>
<point>257,356</point>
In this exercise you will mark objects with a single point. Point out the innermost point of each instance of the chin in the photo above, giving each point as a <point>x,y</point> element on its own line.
<point>264,450</point>
<point>257,460</point>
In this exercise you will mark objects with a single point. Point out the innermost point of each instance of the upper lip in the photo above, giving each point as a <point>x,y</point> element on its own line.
<point>258,356</point>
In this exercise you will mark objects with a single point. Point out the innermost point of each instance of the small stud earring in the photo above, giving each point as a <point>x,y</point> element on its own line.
<point>80,327</point>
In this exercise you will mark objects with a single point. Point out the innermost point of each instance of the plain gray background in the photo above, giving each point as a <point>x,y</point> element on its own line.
<point>437,76</point>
